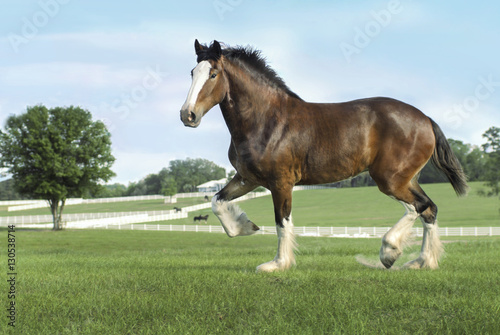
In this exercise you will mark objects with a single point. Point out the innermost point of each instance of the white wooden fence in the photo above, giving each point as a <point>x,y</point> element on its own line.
<point>31,204</point>
<point>128,223</point>
<point>352,232</point>
<point>19,202</point>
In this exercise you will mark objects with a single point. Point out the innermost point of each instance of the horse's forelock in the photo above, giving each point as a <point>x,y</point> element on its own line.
<point>207,53</point>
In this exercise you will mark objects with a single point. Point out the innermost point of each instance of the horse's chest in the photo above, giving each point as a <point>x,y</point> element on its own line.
<point>261,167</point>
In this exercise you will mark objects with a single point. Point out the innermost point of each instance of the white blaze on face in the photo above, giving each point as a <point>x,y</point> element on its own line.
<point>200,75</point>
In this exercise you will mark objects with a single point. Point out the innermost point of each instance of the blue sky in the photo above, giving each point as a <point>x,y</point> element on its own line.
<point>129,63</point>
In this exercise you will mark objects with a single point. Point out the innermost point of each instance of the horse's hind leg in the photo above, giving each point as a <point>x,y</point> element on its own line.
<point>234,221</point>
<point>417,204</point>
<point>431,251</point>
<point>432,247</point>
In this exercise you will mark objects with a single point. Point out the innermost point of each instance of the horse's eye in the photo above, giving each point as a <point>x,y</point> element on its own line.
<point>213,75</point>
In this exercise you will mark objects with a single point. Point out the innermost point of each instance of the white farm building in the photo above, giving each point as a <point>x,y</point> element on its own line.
<point>212,186</point>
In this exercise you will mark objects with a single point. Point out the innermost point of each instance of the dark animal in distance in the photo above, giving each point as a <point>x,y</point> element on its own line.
<point>201,218</point>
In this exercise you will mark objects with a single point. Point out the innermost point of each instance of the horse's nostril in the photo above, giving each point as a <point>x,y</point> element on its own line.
<point>192,117</point>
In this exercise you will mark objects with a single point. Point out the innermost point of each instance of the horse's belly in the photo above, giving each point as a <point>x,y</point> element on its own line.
<point>331,170</point>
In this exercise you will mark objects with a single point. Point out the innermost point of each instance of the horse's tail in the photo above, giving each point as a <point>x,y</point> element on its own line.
<point>445,160</point>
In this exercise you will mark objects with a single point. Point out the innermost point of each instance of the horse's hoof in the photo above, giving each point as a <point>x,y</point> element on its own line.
<point>420,263</point>
<point>268,267</point>
<point>415,264</point>
<point>245,226</point>
<point>389,254</point>
<point>388,263</point>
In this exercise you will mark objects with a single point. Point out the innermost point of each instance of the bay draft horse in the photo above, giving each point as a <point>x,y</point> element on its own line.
<point>279,140</point>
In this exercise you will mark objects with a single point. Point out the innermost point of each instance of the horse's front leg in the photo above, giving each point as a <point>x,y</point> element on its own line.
<point>234,221</point>
<point>282,199</point>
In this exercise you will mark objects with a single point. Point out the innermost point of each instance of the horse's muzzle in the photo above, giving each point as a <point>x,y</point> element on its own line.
<point>189,118</point>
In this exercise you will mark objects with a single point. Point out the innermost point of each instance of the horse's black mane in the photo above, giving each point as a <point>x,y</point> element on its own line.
<point>250,57</point>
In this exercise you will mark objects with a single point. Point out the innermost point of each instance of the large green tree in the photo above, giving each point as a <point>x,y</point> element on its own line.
<point>56,153</point>
<point>492,150</point>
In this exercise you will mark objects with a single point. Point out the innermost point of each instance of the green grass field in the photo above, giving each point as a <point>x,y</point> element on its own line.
<point>143,282</point>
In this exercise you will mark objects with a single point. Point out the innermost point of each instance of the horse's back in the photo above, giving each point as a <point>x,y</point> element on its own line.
<point>356,111</point>
<point>350,137</point>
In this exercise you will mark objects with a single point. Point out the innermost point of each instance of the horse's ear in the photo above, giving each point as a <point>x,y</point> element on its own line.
<point>197,46</point>
<point>217,49</point>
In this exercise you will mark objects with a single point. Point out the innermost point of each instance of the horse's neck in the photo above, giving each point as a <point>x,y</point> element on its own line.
<point>248,103</point>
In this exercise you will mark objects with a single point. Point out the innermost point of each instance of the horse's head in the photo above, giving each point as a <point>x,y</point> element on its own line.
<point>209,85</point>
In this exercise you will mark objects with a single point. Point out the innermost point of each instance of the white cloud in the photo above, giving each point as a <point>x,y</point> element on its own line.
<point>68,73</point>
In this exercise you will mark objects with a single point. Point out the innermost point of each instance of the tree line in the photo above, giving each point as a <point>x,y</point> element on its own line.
<point>180,176</point>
